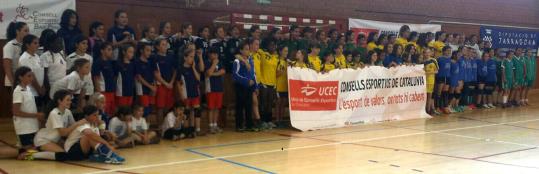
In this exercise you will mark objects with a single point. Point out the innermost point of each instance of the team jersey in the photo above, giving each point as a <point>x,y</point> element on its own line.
<point>508,68</point>
<point>327,67</point>
<point>519,67</point>
<point>215,83</point>
<point>107,71</point>
<point>445,67</point>
<point>282,80</point>
<point>36,65</point>
<point>25,125</point>
<point>166,65</point>
<point>231,49</point>
<point>203,44</point>
<point>139,124</point>
<point>269,69</point>
<point>455,72</point>
<point>340,61</point>
<point>462,68</point>
<point>190,83</point>
<point>117,34</point>
<point>531,68</point>
<point>125,82</point>
<point>392,58</point>
<point>491,71</point>
<point>431,68</point>
<point>257,60</point>
<point>350,47</point>
<point>76,134</point>
<point>473,72</point>
<point>299,65</point>
<point>324,48</point>
<point>56,120</point>
<point>56,64</point>
<point>182,42</point>
<point>221,45</point>
<point>145,69</point>
<point>118,127</point>
<point>12,51</point>
<point>294,45</point>
<point>482,68</point>
<point>315,62</point>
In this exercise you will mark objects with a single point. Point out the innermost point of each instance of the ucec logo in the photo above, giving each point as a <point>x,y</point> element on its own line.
<point>313,96</point>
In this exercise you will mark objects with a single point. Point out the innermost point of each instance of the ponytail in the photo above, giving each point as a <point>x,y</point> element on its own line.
<point>13,28</point>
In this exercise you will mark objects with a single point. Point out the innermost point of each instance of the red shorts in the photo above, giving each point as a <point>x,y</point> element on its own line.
<point>164,97</point>
<point>146,100</point>
<point>192,102</point>
<point>124,101</point>
<point>215,100</point>
<point>110,102</point>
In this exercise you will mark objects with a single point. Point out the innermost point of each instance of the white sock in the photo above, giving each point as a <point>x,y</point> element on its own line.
<point>504,99</point>
<point>45,155</point>
<point>526,100</point>
<point>198,129</point>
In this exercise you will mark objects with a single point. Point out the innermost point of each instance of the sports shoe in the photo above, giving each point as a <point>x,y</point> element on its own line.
<point>218,129</point>
<point>446,111</point>
<point>200,133</point>
<point>212,130</point>
<point>97,158</point>
<point>264,126</point>
<point>272,125</point>
<point>436,112</point>
<point>28,155</point>
<point>491,106</point>
<point>107,160</point>
<point>253,130</point>
<point>486,106</point>
<point>240,130</point>
<point>452,110</point>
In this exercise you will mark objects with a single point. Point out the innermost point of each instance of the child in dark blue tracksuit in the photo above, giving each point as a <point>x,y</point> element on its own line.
<point>245,84</point>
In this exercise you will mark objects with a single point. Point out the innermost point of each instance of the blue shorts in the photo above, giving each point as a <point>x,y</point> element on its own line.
<point>283,94</point>
<point>454,82</point>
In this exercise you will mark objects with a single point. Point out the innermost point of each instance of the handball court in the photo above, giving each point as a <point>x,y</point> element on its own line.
<point>479,141</point>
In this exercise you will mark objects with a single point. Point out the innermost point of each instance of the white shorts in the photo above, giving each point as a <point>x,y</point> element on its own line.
<point>45,136</point>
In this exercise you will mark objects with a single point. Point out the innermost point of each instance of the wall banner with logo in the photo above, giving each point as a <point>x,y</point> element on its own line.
<point>38,14</point>
<point>509,38</point>
<point>346,97</point>
<point>367,26</point>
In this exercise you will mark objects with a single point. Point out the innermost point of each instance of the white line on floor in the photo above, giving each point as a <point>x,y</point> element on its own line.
<point>315,146</point>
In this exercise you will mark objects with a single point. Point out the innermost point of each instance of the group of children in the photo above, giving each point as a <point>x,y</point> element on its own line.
<point>174,78</point>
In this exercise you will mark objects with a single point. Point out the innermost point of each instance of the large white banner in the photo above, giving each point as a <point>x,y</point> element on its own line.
<point>367,26</point>
<point>38,14</point>
<point>345,97</point>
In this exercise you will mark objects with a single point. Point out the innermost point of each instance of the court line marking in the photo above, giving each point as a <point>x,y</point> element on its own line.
<point>429,153</point>
<point>230,161</point>
<point>92,167</point>
<point>302,147</point>
<point>282,139</point>
<point>319,135</point>
<point>503,153</point>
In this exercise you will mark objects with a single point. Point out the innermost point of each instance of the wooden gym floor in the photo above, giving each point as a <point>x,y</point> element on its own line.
<point>481,141</point>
